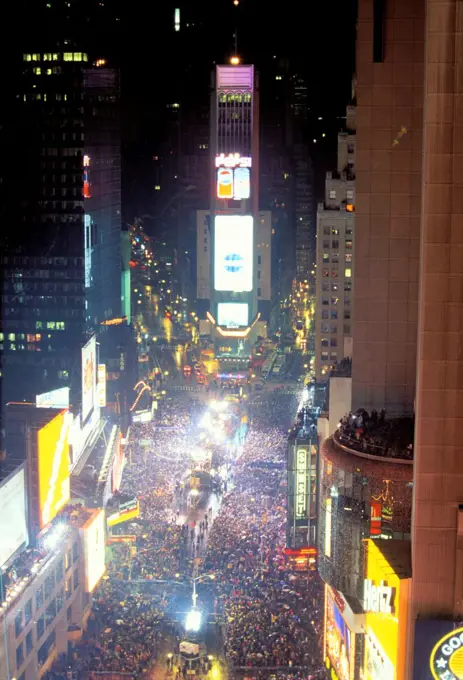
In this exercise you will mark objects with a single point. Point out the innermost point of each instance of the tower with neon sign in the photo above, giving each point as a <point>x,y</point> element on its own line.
<point>233,236</point>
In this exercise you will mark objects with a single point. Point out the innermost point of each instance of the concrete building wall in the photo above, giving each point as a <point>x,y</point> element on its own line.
<point>437,586</point>
<point>388,203</point>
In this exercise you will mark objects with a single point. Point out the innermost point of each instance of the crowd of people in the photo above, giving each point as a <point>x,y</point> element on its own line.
<point>271,615</point>
<point>376,435</point>
<point>268,617</point>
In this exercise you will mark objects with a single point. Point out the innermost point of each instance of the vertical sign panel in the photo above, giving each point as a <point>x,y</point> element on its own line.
<point>301,484</point>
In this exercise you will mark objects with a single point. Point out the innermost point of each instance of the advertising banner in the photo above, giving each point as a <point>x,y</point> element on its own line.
<point>339,641</point>
<point>224,183</point>
<point>13,515</point>
<point>101,385</point>
<point>301,484</point>
<point>55,399</point>
<point>233,253</point>
<point>53,467</point>
<point>94,540</point>
<point>232,314</point>
<point>89,368</point>
<point>438,651</point>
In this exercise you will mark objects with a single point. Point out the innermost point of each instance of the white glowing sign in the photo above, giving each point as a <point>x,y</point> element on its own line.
<point>88,377</point>
<point>101,385</point>
<point>378,599</point>
<point>233,253</point>
<point>233,161</point>
<point>232,314</point>
<point>301,484</point>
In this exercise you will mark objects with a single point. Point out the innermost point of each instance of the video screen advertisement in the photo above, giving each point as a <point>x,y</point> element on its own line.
<point>89,369</point>
<point>339,641</point>
<point>13,515</point>
<point>233,177</point>
<point>233,314</point>
<point>53,467</point>
<point>94,541</point>
<point>233,253</point>
<point>438,650</point>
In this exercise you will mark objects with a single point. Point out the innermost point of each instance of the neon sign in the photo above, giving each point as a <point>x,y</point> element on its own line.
<point>301,483</point>
<point>233,161</point>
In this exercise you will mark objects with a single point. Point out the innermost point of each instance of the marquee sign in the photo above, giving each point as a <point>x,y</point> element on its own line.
<point>301,483</point>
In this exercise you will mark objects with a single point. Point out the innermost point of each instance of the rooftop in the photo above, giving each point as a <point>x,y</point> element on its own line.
<point>374,435</point>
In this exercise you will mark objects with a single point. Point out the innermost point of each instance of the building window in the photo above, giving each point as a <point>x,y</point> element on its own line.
<point>46,649</point>
<point>346,329</point>
<point>334,342</point>
<point>18,623</point>
<point>326,272</point>
<point>40,626</point>
<point>335,245</point>
<point>59,600</point>
<point>334,356</point>
<point>325,287</point>
<point>325,314</point>
<point>325,301</point>
<point>334,273</point>
<point>75,552</point>
<point>259,292</point>
<point>348,272</point>
<point>258,273</point>
<point>334,313</point>
<point>326,257</point>
<point>49,585</point>
<point>335,232</point>
<point>347,314</point>
<point>334,286</point>
<point>326,244</point>
<point>67,557</point>
<point>332,193</point>
<point>39,598</point>
<point>348,245</point>
<point>334,300</point>
<point>50,613</point>
<point>326,231</point>
<point>325,328</point>
<point>259,259</point>
<point>350,193</point>
<point>69,613</point>
<point>324,342</point>
<point>29,643</point>
<point>349,231</point>
<point>348,257</point>
<point>68,589</point>
<point>347,286</point>
<point>28,612</point>
<point>324,356</point>
<point>334,328</point>
<point>335,258</point>
<point>59,572</point>
<point>19,655</point>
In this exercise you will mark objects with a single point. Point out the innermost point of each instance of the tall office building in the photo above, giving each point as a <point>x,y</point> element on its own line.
<point>62,217</point>
<point>102,194</point>
<point>335,258</point>
<point>234,237</point>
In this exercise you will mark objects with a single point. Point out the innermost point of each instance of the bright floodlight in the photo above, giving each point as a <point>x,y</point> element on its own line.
<point>193,620</point>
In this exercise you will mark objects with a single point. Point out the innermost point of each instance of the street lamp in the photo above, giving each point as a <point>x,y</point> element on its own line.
<point>198,579</point>
<point>193,620</point>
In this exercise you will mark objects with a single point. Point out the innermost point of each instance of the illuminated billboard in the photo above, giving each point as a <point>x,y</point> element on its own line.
<point>88,377</point>
<point>339,640</point>
<point>232,314</point>
<point>94,540</point>
<point>13,522</point>
<point>53,467</point>
<point>55,399</point>
<point>101,385</point>
<point>233,176</point>
<point>233,253</point>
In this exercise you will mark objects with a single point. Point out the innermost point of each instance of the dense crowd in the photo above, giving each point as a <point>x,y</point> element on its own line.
<point>272,617</point>
<point>269,617</point>
<point>376,435</point>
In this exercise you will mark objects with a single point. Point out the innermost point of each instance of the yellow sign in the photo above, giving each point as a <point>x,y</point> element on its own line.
<point>120,517</point>
<point>53,467</point>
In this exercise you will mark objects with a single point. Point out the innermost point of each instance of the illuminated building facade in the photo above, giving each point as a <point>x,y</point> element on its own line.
<point>335,258</point>
<point>233,237</point>
<point>61,254</point>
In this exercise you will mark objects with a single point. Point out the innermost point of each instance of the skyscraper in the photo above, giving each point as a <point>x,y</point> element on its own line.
<point>53,248</point>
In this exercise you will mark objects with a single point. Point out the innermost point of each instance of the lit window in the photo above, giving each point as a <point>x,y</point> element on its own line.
<point>332,193</point>
<point>157,187</point>
<point>335,232</point>
<point>348,272</point>
<point>324,356</point>
<point>348,257</point>
<point>27,57</point>
<point>67,56</point>
<point>11,337</point>
<point>326,257</point>
<point>1,337</point>
<point>37,70</point>
<point>77,56</point>
<point>348,245</point>
<point>350,193</point>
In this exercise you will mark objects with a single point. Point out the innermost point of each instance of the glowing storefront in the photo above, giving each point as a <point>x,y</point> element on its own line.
<point>343,636</point>
<point>385,601</point>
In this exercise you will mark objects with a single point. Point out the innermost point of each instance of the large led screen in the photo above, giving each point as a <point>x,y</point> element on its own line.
<point>89,369</point>
<point>233,253</point>
<point>232,314</point>
<point>94,537</point>
<point>53,465</point>
<point>13,523</point>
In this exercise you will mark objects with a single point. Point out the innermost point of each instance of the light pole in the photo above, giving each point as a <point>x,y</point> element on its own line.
<point>198,579</point>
